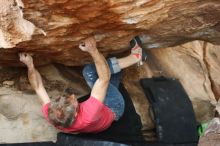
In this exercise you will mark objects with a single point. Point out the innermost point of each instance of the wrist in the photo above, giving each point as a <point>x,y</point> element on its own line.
<point>94,51</point>
<point>30,66</point>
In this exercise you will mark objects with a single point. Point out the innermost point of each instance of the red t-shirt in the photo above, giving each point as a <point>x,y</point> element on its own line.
<point>93,116</point>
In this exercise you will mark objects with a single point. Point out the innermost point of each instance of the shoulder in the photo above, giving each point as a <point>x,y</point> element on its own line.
<point>44,109</point>
<point>46,105</point>
<point>91,107</point>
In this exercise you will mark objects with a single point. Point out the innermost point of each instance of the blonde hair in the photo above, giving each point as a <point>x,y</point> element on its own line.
<point>61,111</point>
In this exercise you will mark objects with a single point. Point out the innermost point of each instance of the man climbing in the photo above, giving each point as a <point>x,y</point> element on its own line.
<point>105,103</point>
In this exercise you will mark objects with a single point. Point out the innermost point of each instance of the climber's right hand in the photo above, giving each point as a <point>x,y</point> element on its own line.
<point>88,45</point>
<point>26,58</point>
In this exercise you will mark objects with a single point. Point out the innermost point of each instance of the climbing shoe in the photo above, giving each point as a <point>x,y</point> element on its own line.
<point>138,50</point>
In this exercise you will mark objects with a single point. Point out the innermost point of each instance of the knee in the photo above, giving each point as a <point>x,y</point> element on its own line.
<point>84,71</point>
<point>123,105</point>
<point>121,108</point>
<point>89,73</point>
<point>87,70</point>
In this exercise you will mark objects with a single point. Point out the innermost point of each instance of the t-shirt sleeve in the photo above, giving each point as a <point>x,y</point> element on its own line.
<point>45,111</point>
<point>92,109</point>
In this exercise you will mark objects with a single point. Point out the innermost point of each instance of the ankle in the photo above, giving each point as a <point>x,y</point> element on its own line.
<point>30,66</point>
<point>134,58</point>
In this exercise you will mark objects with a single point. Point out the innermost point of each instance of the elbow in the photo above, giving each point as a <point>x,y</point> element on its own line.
<point>105,76</point>
<point>105,79</point>
<point>109,74</point>
<point>104,82</point>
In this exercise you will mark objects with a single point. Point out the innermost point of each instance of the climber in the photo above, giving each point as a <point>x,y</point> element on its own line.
<point>105,103</point>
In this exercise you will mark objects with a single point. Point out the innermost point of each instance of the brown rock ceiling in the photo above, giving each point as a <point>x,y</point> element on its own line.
<point>161,23</point>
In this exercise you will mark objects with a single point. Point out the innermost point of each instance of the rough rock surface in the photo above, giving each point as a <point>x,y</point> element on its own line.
<point>21,119</point>
<point>14,28</point>
<point>162,23</point>
<point>195,64</point>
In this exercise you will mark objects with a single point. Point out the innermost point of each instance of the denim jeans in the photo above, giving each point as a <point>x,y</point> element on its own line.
<point>114,100</point>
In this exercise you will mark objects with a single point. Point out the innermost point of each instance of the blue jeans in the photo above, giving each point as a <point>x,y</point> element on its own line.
<point>114,100</point>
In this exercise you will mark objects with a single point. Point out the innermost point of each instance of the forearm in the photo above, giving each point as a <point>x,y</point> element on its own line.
<point>100,87</point>
<point>101,66</point>
<point>34,78</point>
<point>37,84</point>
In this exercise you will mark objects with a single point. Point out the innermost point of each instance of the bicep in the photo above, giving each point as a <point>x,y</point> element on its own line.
<point>99,90</point>
<point>42,94</point>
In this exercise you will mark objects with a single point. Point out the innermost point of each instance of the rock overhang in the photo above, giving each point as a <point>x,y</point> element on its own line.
<point>160,24</point>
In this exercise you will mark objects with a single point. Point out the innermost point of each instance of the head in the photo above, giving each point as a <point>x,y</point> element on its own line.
<point>63,110</point>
